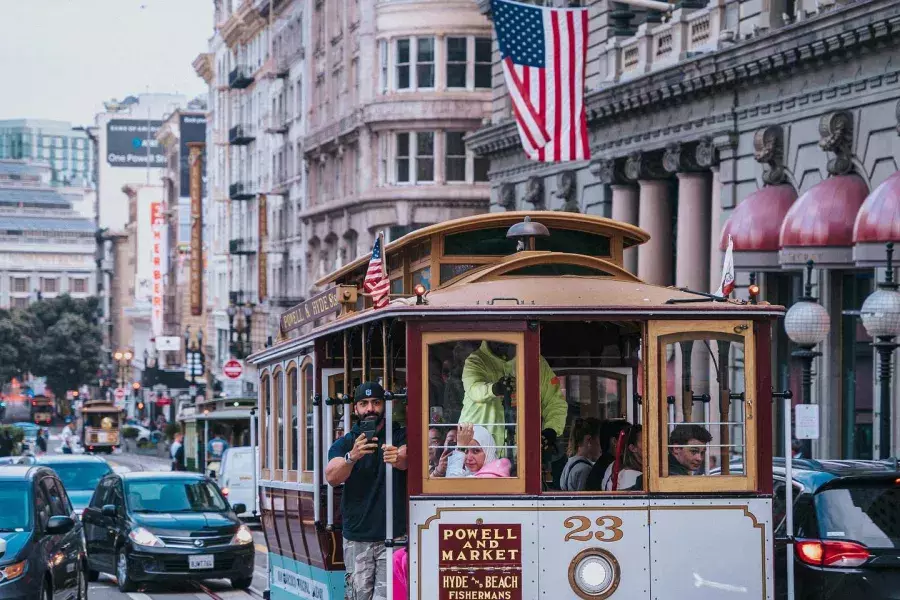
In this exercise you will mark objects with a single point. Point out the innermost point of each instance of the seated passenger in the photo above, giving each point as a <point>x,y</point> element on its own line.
<point>584,450</point>
<point>488,376</point>
<point>451,463</point>
<point>609,437</point>
<point>481,453</point>
<point>687,447</point>
<point>631,463</point>
<point>434,447</point>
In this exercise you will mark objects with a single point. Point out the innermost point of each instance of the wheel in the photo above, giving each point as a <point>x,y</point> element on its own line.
<point>241,583</point>
<point>125,583</point>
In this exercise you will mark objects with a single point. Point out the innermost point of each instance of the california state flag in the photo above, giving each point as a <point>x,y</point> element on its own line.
<point>727,283</point>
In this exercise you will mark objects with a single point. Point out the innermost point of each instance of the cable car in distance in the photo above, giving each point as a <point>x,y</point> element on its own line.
<point>509,330</point>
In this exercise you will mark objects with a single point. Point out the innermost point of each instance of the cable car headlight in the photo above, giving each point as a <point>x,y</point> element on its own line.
<point>594,574</point>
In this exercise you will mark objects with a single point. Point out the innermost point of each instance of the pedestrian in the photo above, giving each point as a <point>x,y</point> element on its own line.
<point>359,463</point>
<point>216,447</point>
<point>42,441</point>
<point>177,452</point>
<point>67,437</point>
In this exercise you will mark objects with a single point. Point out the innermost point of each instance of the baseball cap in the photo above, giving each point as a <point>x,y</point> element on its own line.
<point>368,389</point>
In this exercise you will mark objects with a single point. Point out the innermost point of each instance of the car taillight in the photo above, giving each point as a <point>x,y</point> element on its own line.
<point>831,553</point>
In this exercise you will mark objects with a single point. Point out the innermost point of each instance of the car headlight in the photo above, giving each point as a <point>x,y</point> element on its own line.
<point>243,536</point>
<point>12,571</point>
<point>142,537</point>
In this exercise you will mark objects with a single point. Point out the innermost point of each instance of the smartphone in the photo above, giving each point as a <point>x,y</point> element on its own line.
<point>368,427</point>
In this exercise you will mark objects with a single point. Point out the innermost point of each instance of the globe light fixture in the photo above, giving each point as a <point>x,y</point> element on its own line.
<point>880,315</point>
<point>807,324</point>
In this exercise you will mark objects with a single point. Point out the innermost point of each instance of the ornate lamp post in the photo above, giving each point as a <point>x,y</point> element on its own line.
<point>123,359</point>
<point>881,317</point>
<point>807,324</point>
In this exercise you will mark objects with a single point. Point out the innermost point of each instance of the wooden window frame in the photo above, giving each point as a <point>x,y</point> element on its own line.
<point>659,333</point>
<point>278,399</point>
<point>473,485</point>
<point>265,389</point>
<point>291,435</point>
<point>306,476</point>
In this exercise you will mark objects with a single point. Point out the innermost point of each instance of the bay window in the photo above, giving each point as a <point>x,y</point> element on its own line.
<point>454,156</point>
<point>457,59</point>
<point>425,62</point>
<point>483,62</point>
<point>403,63</point>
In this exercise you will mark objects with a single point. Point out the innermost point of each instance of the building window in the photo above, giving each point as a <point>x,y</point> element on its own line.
<point>425,63</point>
<point>78,286</point>
<point>483,62</point>
<point>455,156</point>
<point>403,60</point>
<point>456,62</point>
<point>21,302</point>
<point>425,156</point>
<point>49,285</point>
<point>403,157</point>
<point>20,284</point>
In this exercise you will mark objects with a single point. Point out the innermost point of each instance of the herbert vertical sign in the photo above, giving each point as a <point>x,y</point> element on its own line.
<point>480,562</point>
<point>196,166</point>
<point>261,252</point>
<point>157,225</point>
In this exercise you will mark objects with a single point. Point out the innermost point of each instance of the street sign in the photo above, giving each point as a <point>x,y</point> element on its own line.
<point>168,343</point>
<point>806,425</point>
<point>233,369</point>
<point>233,388</point>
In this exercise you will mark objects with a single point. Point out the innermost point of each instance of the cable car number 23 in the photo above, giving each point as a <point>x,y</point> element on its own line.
<point>609,529</point>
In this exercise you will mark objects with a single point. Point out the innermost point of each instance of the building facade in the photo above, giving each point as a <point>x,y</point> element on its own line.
<point>773,122</point>
<point>66,151</point>
<point>46,247</point>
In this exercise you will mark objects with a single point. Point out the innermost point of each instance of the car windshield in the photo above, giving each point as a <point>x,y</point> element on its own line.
<point>168,496</point>
<point>15,500</point>
<point>80,476</point>
<point>862,512</point>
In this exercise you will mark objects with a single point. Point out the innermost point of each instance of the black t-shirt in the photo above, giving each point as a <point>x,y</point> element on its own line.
<point>363,500</point>
<point>594,481</point>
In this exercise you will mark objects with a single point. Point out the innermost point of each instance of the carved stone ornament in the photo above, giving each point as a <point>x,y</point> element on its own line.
<point>534,192</point>
<point>768,150</point>
<point>643,165</point>
<point>567,190</point>
<point>836,133</point>
<point>673,158</point>
<point>604,169</point>
<point>507,198</point>
<point>705,153</point>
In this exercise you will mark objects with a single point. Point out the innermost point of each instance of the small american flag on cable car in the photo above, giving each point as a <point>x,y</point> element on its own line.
<point>543,53</point>
<point>376,283</point>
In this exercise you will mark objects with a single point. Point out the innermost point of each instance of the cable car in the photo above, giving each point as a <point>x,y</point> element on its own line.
<point>100,422</point>
<point>541,304</point>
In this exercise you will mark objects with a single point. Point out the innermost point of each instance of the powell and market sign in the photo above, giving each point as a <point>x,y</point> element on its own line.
<point>329,302</point>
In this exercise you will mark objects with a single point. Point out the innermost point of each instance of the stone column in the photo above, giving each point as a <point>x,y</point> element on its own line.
<point>715,229</point>
<point>693,236</point>
<point>655,217</point>
<point>625,209</point>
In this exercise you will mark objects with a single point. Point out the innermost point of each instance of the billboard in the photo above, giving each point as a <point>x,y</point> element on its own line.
<point>192,128</point>
<point>133,143</point>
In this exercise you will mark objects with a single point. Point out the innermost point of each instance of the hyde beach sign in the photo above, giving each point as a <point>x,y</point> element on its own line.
<point>480,562</point>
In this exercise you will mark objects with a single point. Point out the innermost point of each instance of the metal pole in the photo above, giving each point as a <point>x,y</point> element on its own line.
<point>389,500</point>
<point>315,398</point>
<point>789,495</point>
<point>255,458</point>
<point>329,439</point>
<point>205,443</point>
<point>885,346</point>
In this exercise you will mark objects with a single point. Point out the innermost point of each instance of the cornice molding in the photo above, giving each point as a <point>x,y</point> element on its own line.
<point>839,32</point>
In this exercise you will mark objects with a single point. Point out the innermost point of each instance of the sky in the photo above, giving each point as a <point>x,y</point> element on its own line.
<point>61,59</point>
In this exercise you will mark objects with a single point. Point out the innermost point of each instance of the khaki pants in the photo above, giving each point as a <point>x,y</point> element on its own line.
<point>366,577</point>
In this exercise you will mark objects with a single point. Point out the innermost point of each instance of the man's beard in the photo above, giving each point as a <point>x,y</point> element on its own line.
<point>375,417</point>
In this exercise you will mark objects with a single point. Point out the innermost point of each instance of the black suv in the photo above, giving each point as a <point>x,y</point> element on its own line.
<point>846,529</point>
<point>145,527</point>
<point>42,550</point>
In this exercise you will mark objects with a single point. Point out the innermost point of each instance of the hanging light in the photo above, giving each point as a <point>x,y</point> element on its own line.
<point>807,322</point>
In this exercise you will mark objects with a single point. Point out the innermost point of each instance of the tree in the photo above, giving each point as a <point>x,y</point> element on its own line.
<point>13,355</point>
<point>68,353</point>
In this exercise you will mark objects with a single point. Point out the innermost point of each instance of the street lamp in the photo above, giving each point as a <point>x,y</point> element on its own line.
<point>881,317</point>
<point>123,359</point>
<point>807,324</point>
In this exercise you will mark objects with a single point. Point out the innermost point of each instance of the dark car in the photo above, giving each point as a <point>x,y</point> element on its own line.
<point>145,527</point>
<point>80,474</point>
<point>846,529</point>
<point>43,552</point>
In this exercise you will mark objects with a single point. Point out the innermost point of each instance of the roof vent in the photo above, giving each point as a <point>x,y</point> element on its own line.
<point>525,232</point>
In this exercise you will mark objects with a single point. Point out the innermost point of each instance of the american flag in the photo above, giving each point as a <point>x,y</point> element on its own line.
<point>543,53</point>
<point>376,283</point>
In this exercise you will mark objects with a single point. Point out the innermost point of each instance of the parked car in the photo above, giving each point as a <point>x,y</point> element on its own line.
<point>235,477</point>
<point>846,529</point>
<point>31,431</point>
<point>165,526</point>
<point>80,474</point>
<point>44,556</point>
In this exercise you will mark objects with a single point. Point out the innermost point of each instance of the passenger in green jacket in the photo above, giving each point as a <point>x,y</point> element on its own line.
<point>488,376</point>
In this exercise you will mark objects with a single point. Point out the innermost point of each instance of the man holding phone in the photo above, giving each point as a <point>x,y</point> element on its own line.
<point>358,461</point>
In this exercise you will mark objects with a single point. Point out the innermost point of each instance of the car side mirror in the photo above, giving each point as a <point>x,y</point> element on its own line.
<point>109,510</point>
<point>239,508</point>
<point>59,524</point>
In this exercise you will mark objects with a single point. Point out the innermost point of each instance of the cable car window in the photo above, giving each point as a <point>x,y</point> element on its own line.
<point>492,241</point>
<point>422,276</point>
<point>706,405</point>
<point>308,409</point>
<point>473,417</point>
<point>292,417</point>
<point>557,270</point>
<point>264,404</point>
<point>278,419</point>
<point>451,270</point>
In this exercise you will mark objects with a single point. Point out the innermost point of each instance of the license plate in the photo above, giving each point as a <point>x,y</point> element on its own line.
<point>200,561</point>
